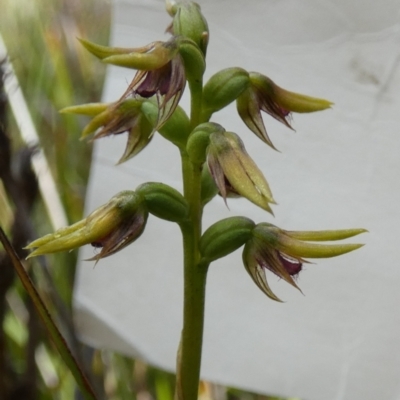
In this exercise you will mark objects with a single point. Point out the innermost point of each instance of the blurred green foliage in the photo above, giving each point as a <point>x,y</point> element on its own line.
<point>55,71</point>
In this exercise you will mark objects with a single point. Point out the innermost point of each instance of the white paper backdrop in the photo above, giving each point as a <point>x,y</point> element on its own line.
<point>340,169</point>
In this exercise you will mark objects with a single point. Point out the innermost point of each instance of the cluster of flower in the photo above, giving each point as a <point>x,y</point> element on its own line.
<point>151,104</point>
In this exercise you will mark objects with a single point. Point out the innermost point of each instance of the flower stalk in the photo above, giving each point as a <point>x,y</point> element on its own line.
<point>195,272</point>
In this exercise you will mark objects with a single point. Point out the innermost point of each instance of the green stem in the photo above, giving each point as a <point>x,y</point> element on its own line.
<point>195,272</point>
<point>196,91</point>
<point>194,289</point>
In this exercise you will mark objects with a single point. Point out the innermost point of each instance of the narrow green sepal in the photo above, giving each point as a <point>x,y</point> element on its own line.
<point>90,109</point>
<point>176,129</point>
<point>225,236</point>
<point>99,120</point>
<point>138,139</point>
<point>149,57</point>
<point>199,140</point>
<point>139,61</point>
<point>59,233</point>
<point>163,201</point>
<point>320,236</point>
<point>103,51</point>
<point>223,88</point>
<point>296,248</point>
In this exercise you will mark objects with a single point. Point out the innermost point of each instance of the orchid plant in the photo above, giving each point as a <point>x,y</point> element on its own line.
<point>214,161</point>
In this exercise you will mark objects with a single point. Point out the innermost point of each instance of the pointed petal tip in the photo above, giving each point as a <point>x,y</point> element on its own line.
<point>121,161</point>
<point>277,299</point>
<point>94,258</point>
<point>267,208</point>
<point>34,253</point>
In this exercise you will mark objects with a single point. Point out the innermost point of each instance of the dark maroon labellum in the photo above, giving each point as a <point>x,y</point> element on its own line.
<point>156,81</point>
<point>292,265</point>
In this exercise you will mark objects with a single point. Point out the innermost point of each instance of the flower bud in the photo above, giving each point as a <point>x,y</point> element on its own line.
<point>223,88</point>
<point>163,201</point>
<point>112,227</point>
<point>193,60</point>
<point>171,7</point>
<point>225,236</point>
<point>199,140</point>
<point>188,21</point>
<point>176,129</point>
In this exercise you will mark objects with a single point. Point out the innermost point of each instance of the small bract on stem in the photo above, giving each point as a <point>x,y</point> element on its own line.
<point>213,161</point>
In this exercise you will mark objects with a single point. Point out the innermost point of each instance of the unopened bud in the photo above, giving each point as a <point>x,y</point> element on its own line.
<point>199,140</point>
<point>163,201</point>
<point>223,88</point>
<point>176,129</point>
<point>189,22</point>
<point>193,59</point>
<point>225,236</point>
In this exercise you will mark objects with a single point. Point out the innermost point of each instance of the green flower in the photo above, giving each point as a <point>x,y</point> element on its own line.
<point>234,171</point>
<point>264,95</point>
<point>161,72</point>
<point>281,252</point>
<point>111,227</point>
<point>114,119</point>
